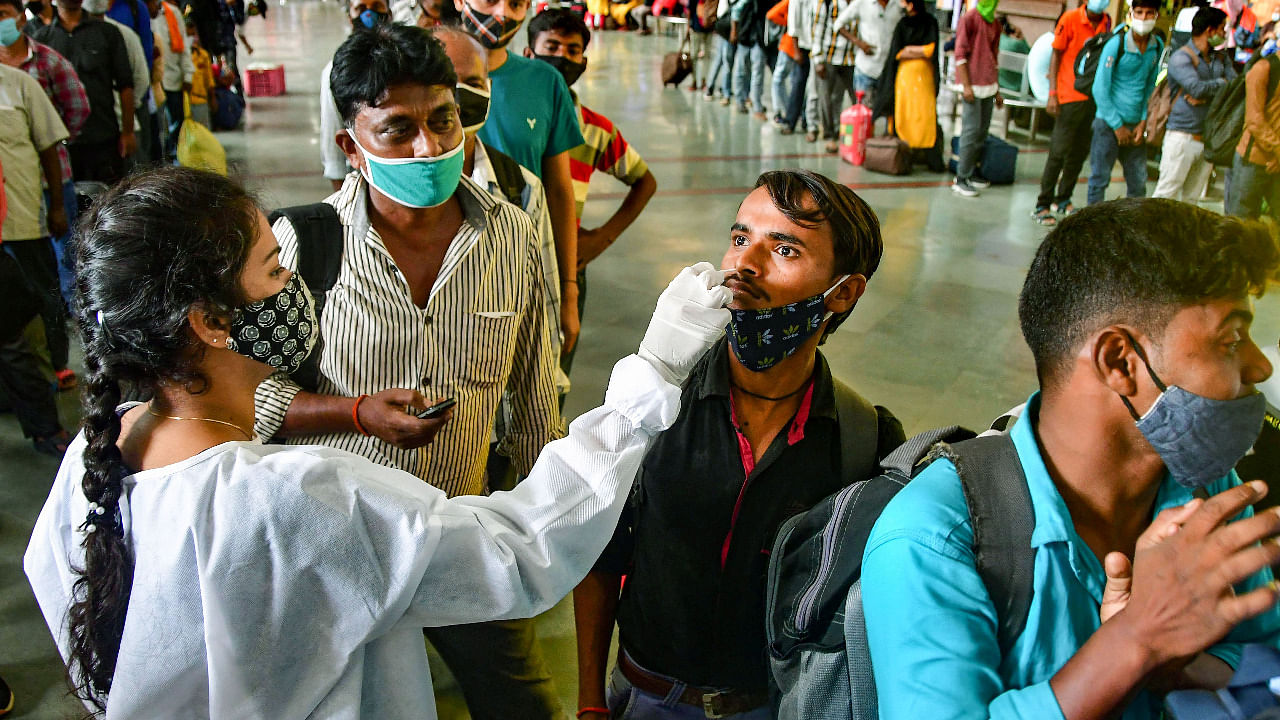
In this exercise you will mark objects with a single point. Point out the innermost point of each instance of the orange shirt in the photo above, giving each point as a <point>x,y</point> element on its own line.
<point>787,44</point>
<point>1073,31</point>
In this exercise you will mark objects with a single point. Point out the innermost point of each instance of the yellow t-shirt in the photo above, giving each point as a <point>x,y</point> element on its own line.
<point>202,78</point>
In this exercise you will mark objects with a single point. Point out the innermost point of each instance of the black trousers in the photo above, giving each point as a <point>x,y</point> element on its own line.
<point>99,162</point>
<point>1072,136</point>
<point>27,389</point>
<point>40,268</point>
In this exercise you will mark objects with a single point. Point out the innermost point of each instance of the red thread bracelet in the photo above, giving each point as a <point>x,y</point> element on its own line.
<point>355,416</point>
<point>586,710</point>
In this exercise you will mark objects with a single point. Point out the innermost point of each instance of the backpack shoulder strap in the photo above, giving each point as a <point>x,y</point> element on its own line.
<point>995,488</point>
<point>319,232</point>
<point>506,171</point>
<point>859,433</point>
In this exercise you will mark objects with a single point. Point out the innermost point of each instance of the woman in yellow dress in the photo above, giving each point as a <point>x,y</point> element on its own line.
<point>907,93</point>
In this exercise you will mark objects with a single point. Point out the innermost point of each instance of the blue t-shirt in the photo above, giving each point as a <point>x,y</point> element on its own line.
<point>1125,80</point>
<point>138,19</point>
<point>531,115</point>
<point>930,623</point>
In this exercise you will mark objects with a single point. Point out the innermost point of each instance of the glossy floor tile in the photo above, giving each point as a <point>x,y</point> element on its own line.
<point>935,338</point>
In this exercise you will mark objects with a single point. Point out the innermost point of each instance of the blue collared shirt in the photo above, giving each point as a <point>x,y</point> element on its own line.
<point>1125,80</point>
<point>931,625</point>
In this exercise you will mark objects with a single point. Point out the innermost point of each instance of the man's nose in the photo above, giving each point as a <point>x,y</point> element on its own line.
<point>429,144</point>
<point>1257,368</point>
<point>751,260</point>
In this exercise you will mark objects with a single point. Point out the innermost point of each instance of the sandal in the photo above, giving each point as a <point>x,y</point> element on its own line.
<point>1065,210</point>
<point>1044,217</point>
<point>54,445</point>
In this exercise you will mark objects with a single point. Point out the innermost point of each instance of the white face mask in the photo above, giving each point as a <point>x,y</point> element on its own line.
<point>1142,27</point>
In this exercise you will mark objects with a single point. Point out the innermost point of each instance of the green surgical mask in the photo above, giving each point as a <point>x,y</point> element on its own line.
<point>987,9</point>
<point>1216,40</point>
<point>415,182</point>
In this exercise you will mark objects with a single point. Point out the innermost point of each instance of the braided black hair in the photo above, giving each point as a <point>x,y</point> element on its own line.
<point>148,250</point>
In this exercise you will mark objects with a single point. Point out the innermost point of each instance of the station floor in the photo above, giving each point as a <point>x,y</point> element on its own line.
<point>935,338</point>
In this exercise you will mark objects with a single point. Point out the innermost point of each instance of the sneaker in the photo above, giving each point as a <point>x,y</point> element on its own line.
<point>6,698</point>
<point>709,97</point>
<point>1044,216</point>
<point>979,182</point>
<point>1064,210</point>
<point>964,188</point>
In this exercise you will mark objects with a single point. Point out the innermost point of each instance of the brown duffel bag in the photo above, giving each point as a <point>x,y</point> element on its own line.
<point>889,155</point>
<point>677,65</point>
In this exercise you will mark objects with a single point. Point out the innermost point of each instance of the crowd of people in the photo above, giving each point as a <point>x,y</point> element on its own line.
<point>315,436</point>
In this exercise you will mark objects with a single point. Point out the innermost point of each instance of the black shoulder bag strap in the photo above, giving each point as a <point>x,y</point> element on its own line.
<point>859,434</point>
<point>995,488</point>
<point>506,172</point>
<point>319,235</point>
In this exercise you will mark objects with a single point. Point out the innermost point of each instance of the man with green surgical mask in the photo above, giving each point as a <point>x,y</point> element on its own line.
<point>977,50</point>
<point>439,294</point>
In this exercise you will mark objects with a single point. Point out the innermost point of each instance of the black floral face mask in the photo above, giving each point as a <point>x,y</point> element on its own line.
<point>279,330</point>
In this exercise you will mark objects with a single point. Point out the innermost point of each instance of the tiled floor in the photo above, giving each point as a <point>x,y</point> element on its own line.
<point>935,338</point>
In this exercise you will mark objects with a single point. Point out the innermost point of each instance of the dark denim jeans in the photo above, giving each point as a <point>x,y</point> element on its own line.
<point>1250,185</point>
<point>1102,157</point>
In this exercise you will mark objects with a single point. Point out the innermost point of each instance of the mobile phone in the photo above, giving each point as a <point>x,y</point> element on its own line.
<point>437,410</point>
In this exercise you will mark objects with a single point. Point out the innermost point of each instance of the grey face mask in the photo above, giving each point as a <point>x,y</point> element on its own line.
<point>1198,438</point>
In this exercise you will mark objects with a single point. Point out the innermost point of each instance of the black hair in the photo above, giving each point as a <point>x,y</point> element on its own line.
<point>16,4</point>
<point>1207,18</point>
<point>371,61</point>
<point>148,251</point>
<point>1153,4</point>
<point>562,21</point>
<point>809,200</point>
<point>1136,262</point>
<point>918,6</point>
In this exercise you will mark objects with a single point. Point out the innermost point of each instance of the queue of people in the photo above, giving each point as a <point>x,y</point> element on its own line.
<point>297,428</point>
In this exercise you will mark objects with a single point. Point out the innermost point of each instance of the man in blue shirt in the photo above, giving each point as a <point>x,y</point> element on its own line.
<point>532,118</point>
<point>1124,81</point>
<point>1132,593</point>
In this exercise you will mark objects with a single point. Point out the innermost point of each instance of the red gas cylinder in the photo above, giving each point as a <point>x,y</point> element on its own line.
<point>855,128</point>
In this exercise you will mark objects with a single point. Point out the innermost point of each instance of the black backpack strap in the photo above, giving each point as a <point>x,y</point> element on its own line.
<point>995,488</point>
<point>320,239</point>
<point>506,172</point>
<point>859,433</point>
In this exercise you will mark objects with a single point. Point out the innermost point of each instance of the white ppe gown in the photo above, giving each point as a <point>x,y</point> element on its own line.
<point>293,582</point>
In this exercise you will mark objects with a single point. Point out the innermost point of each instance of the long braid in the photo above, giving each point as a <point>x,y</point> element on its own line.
<point>148,252</point>
<point>102,591</point>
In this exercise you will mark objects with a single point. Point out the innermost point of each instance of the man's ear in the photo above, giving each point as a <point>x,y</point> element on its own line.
<point>846,294</point>
<point>354,157</point>
<point>459,4</point>
<point>210,326</point>
<point>528,52</point>
<point>1114,359</point>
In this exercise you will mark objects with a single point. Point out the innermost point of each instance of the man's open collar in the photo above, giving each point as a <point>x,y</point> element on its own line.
<point>712,378</point>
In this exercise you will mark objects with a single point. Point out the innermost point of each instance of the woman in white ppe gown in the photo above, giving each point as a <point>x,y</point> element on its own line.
<point>187,571</point>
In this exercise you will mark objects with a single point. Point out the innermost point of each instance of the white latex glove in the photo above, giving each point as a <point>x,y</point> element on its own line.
<point>689,319</point>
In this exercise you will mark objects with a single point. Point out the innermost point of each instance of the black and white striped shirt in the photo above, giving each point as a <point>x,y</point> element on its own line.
<point>484,331</point>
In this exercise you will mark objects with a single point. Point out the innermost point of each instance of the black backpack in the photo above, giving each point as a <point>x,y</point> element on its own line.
<point>820,666</point>
<point>1224,123</point>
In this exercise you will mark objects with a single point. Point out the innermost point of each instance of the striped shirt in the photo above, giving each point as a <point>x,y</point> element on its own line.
<point>829,46</point>
<point>603,149</point>
<point>483,331</point>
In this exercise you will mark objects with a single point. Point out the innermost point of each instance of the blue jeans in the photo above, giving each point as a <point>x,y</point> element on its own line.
<point>865,84</point>
<point>723,62</point>
<point>799,87</point>
<point>785,74</point>
<point>66,273</point>
<point>1102,157</point>
<point>748,76</point>
<point>1250,185</point>
<point>628,703</point>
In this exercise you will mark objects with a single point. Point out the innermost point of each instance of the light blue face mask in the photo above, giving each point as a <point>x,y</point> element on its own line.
<point>1097,7</point>
<point>1198,438</point>
<point>414,182</point>
<point>9,32</point>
